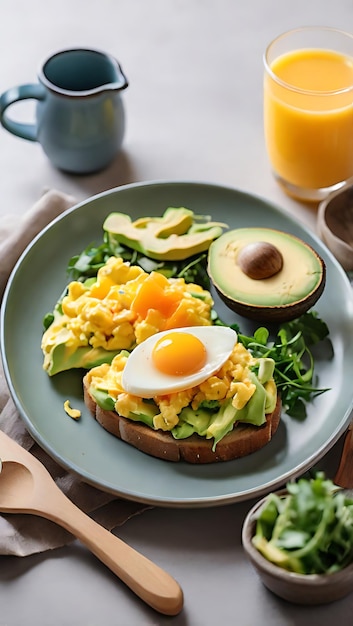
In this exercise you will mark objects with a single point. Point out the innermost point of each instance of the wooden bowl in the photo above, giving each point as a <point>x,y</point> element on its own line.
<point>335,225</point>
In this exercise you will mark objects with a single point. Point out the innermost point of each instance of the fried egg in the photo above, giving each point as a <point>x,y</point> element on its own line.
<point>178,359</point>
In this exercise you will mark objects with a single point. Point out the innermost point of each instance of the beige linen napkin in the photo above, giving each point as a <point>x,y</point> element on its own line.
<point>26,534</point>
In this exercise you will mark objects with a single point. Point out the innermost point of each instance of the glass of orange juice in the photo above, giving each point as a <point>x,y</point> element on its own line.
<point>308,110</point>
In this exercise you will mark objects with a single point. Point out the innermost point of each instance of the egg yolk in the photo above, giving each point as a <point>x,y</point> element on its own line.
<point>179,354</point>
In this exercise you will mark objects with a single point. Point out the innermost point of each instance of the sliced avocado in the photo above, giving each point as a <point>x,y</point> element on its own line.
<point>182,430</point>
<point>107,403</point>
<point>266,369</point>
<point>222,422</point>
<point>102,398</point>
<point>172,237</point>
<point>252,413</point>
<point>197,420</point>
<point>277,556</point>
<point>216,424</point>
<point>291,287</point>
<point>62,358</point>
<point>172,222</point>
<point>271,396</point>
<point>147,416</point>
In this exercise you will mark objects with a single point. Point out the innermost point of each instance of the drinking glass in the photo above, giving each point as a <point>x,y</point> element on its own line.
<point>308,110</point>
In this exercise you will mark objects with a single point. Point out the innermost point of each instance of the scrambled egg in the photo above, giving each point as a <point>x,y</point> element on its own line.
<point>231,381</point>
<point>123,308</point>
<point>74,413</point>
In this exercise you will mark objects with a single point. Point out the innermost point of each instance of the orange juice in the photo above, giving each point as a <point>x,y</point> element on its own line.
<point>308,117</point>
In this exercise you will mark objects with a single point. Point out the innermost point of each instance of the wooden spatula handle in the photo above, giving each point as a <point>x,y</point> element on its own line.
<point>148,581</point>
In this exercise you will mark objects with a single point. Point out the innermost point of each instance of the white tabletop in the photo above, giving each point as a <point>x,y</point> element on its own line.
<point>194,112</point>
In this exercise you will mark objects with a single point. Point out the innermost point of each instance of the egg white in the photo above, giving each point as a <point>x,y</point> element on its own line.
<point>141,377</point>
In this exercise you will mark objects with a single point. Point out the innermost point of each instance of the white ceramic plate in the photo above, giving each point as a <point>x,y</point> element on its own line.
<point>99,458</point>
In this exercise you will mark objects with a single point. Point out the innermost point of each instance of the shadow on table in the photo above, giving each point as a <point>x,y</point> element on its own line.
<point>121,171</point>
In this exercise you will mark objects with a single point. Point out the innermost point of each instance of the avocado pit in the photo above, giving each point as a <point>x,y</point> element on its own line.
<point>260,259</point>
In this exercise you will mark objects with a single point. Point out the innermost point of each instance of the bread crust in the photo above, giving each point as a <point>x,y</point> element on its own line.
<point>243,440</point>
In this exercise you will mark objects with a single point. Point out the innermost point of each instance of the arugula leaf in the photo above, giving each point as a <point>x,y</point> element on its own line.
<point>48,320</point>
<point>294,372</point>
<point>87,263</point>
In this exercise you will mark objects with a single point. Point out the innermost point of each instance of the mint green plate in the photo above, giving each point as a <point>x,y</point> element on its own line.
<point>98,457</point>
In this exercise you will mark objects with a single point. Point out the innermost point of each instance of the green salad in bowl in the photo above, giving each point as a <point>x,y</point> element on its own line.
<point>300,541</point>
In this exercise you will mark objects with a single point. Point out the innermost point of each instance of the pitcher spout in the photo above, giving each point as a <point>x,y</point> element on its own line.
<point>121,81</point>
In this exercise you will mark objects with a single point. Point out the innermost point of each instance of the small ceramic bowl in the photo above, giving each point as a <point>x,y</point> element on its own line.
<point>297,588</point>
<point>335,225</point>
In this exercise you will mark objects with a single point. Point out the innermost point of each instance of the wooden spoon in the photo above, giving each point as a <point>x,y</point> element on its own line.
<point>27,487</point>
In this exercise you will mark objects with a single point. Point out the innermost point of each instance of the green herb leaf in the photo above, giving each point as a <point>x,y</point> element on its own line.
<point>294,363</point>
<point>48,320</point>
<point>87,264</point>
<point>309,530</point>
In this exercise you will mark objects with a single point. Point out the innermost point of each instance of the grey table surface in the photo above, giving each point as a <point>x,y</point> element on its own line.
<point>194,112</point>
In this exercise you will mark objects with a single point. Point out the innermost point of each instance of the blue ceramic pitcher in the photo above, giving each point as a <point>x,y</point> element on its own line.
<point>80,117</point>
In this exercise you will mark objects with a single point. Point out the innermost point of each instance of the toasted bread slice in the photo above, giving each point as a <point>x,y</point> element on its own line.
<point>244,439</point>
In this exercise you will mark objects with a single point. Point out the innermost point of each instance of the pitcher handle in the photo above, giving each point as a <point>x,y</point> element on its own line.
<point>22,92</point>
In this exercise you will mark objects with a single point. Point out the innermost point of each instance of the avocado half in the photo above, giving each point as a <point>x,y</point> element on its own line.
<point>266,274</point>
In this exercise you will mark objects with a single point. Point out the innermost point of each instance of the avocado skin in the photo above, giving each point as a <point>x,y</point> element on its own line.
<point>264,312</point>
<point>275,314</point>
